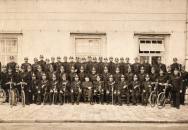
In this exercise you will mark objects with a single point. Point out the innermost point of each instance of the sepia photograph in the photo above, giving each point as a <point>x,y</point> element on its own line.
<point>93,64</point>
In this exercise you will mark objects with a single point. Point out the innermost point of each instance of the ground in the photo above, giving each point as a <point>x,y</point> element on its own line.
<point>84,114</point>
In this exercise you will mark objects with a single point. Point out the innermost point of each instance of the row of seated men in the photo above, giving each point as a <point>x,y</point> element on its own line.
<point>56,85</point>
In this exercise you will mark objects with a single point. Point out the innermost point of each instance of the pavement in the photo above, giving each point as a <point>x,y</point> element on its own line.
<point>86,113</point>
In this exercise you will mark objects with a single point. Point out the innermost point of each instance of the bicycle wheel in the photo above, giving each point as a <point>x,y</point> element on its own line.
<point>152,98</point>
<point>23,98</point>
<point>2,96</point>
<point>161,100</point>
<point>17,96</point>
<point>11,98</point>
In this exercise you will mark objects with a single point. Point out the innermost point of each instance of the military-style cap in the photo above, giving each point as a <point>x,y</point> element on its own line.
<point>106,58</point>
<point>121,58</point>
<point>89,57</point>
<point>70,57</point>
<point>58,57</point>
<point>94,58</point>
<point>52,58</point>
<point>25,58</point>
<point>100,57</point>
<point>65,57</point>
<point>116,58</point>
<point>175,59</point>
<point>41,56</point>
<point>11,57</point>
<point>83,58</point>
<point>127,58</point>
<point>111,57</point>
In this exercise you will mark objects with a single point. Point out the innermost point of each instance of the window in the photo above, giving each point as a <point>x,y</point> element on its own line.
<point>8,47</point>
<point>151,49</point>
<point>89,44</point>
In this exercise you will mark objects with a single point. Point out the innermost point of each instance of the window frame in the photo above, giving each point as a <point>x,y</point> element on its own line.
<point>101,36</point>
<point>10,36</point>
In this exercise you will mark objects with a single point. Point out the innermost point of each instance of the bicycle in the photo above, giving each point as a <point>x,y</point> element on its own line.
<point>153,95</point>
<point>2,95</point>
<point>163,96</point>
<point>12,93</point>
<point>22,84</point>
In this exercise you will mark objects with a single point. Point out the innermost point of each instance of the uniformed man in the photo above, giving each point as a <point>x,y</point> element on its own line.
<point>71,64</point>
<point>94,63</point>
<point>34,84</point>
<point>100,66</point>
<point>61,72</point>
<point>105,78</point>
<point>72,74</point>
<point>116,62</point>
<point>147,88</point>
<point>98,94</point>
<point>129,75</point>
<point>127,65</point>
<point>39,73</point>
<point>53,63</point>
<point>162,80</point>
<point>147,66</point>
<point>136,66</point>
<point>25,64</point>
<point>135,90</point>
<point>89,65</point>
<point>82,74</point>
<point>117,75</point>
<point>111,66</point>
<point>47,65</point>
<point>54,88</point>
<point>184,83</point>
<point>110,90</point>
<point>122,66</point>
<point>175,65</point>
<point>77,64</point>
<point>58,64</point>
<point>87,87</point>
<point>35,65</point>
<point>41,62</point>
<point>64,89</point>
<point>45,90</point>
<point>65,64</point>
<point>3,80</point>
<point>159,65</point>
<point>176,88</point>
<point>93,75</point>
<point>124,88</point>
<point>75,90</point>
<point>12,64</point>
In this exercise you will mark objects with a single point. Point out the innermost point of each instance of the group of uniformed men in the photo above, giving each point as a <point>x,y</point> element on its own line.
<point>94,80</point>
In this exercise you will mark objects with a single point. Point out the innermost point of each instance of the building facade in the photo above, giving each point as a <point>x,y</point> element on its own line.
<point>119,28</point>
